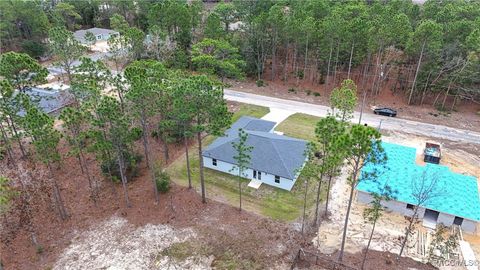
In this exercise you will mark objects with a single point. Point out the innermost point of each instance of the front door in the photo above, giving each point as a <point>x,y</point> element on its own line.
<point>254,174</point>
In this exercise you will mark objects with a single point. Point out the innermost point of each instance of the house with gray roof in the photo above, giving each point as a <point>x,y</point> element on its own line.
<point>50,101</point>
<point>99,33</point>
<point>275,159</point>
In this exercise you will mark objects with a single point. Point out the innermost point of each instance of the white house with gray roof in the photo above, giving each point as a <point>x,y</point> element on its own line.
<point>99,33</point>
<point>275,159</point>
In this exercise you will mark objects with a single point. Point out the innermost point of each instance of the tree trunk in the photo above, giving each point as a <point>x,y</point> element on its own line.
<point>416,73</point>
<point>188,161</point>
<point>306,59</point>
<point>147,154</point>
<point>80,163</point>
<point>57,196</point>
<point>304,205</point>
<point>166,154</point>
<point>274,52</point>
<point>15,133</point>
<point>319,190</point>
<point>7,143</point>
<point>91,184</point>
<point>407,232</point>
<point>368,245</point>
<point>345,226</point>
<point>295,64</point>
<point>200,158</point>
<point>328,65</point>
<point>425,88</point>
<point>285,65</point>
<point>336,64</point>
<point>446,96</point>
<point>350,61</point>
<point>377,64</point>
<point>240,187</point>
<point>328,192</point>
<point>122,176</point>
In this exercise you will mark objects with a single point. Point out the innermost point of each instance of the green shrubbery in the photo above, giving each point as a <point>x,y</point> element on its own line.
<point>131,162</point>
<point>260,83</point>
<point>33,48</point>
<point>162,180</point>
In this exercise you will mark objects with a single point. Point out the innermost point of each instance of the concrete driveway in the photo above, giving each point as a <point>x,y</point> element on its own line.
<point>277,115</point>
<point>397,124</point>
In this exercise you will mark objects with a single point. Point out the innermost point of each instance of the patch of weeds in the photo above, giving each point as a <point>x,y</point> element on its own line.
<point>39,249</point>
<point>260,83</point>
<point>292,90</point>
<point>442,110</point>
<point>308,92</point>
<point>316,94</point>
<point>230,261</point>
<point>300,74</point>
<point>179,251</point>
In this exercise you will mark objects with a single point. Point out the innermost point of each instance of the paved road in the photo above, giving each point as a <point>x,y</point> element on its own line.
<point>389,123</point>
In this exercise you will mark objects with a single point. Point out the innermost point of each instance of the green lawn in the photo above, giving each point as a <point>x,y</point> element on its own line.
<point>268,201</point>
<point>250,110</point>
<point>300,126</point>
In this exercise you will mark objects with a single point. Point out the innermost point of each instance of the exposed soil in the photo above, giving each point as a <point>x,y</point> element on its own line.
<point>466,115</point>
<point>375,261</point>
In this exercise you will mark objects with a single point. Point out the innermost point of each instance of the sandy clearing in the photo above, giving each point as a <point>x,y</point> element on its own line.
<point>117,244</point>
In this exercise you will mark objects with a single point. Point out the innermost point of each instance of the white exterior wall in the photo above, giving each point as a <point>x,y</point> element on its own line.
<point>392,205</point>
<point>469,225</point>
<point>267,178</point>
<point>445,219</point>
<point>401,208</point>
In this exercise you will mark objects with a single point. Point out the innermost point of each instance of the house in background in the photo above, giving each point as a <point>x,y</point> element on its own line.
<point>101,34</point>
<point>49,100</point>
<point>275,159</point>
<point>456,200</point>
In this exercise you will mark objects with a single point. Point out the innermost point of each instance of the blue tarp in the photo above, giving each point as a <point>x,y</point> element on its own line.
<point>456,194</point>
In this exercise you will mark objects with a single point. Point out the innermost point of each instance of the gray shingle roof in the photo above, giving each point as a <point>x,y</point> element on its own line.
<point>272,153</point>
<point>80,34</point>
<point>49,101</point>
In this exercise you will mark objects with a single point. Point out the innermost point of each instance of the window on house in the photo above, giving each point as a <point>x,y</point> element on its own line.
<point>259,175</point>
<point>214,162</point>
<point>277,179</point>
<point>254,174</point>
<point>410,206</point>
<point>99,37</point>
<point>458,221</point>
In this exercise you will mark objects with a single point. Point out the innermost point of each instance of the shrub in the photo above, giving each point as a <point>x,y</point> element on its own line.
<point>136,133</point>
<point>131,163</point>
<point>316,94</point>
<point>162,180</point>
<point>300,74</point>
<point>260,83</point>
<point>308,92</point>
<point>33,48</point>
<point>292,90</point>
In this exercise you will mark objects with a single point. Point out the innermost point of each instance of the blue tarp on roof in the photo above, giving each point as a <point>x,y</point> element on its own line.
<point>457,194</point>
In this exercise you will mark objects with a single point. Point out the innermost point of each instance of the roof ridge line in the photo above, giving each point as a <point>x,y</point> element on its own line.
<point>281,158</point>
